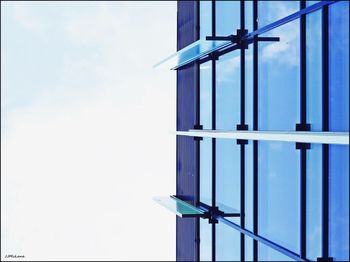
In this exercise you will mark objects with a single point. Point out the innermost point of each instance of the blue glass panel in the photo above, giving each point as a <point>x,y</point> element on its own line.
<point>308,3</point>
<point>227,117</point>
<point>227,173</point>
<point>270,11</point>
<point>228,91</point>
<point>227,243</point>
<point>205,170</point>
<point>227,17</point>
<point>205,240</point>
<point>314,202</point>
<point>205,95</point>
<point>205,19</point>
<point>249,186</point>
<point>339,121</point>
<point>192,52</point>
<point>339,202</point>
<point>279,79</point>
<point>248,249</point>
<point>314,70</point>
<point>314,117</point>
<point>248,19</point>
<point>339,66</point>
<point>249,87</point>
<point>279,193</point>
<point>266,253</point>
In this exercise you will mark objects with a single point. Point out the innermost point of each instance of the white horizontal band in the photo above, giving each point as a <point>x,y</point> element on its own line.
<point>340,138</point>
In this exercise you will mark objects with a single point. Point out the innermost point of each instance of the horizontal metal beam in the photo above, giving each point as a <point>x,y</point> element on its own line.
<point>339,138</point>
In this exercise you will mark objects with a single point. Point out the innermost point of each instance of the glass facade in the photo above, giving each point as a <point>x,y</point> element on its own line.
<point>279,71</point>
<point>292,198</point>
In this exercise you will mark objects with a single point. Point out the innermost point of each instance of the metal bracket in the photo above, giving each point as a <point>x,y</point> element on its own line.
<point>239,39</point>
<point>242,127</point>
<point>213,56</point>
<point>232,38</point>
<point>197,127</point>
<point>212,213</point>
<point>325,259</point>
<point>302,127</point>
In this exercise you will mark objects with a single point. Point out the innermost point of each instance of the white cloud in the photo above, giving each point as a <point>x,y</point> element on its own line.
<point>25,18</point>
<point>82,161</point>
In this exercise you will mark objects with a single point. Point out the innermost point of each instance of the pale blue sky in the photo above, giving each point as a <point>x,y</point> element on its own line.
<point>85,123</point>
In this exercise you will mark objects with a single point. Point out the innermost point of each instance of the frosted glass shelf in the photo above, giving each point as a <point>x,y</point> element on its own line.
<point>339,138</point>
<point>192,52</point>
<point>179,207</point>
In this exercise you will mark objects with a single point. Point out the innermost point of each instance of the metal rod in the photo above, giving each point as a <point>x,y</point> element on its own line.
<point>288,19</point>
<point>261,239</point>
<point>303,121</point>
<point>255,127</point>
<point>242,124</point>
<point>213,203</point>
<point>325,127</point>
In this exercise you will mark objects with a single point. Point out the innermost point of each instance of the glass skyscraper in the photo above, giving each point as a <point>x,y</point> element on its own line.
<point>262,131</point>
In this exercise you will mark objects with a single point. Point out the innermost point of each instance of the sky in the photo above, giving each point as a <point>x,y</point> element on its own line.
<point>85,130</point>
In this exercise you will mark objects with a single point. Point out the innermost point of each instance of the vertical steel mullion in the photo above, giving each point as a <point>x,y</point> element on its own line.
<point>197,143</point>
<point>242,125</point>
<point>325,127</point>
<point>213,203</point>
<point>242,58</point>
<point>303,121</point>
<point>242,216</point>
<point>255,127</point>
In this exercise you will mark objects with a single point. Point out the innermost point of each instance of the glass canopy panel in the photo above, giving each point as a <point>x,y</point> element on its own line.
<point>192,52</point>
<point>179,207</point>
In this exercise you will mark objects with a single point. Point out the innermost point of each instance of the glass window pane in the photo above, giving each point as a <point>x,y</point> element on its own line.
<point>339,202</point>
<point>227,174</point>
<point>205,95</point>
<point>279,79</point>
<point>227,17</point>
<point>205,240</point>
<point>339,121</point>
<point>249,186</point>
<point>249,87</point>
<point>248,249</point>
<point>279,193</point>
<point>205,19</point>
<point>248,15</point>
<point>270,11</point>
<point>228,92</point>
<point>339,66</point>
<point>227,243</point>
<point>266,253</point>
<point>309,3</point>
<point>314,201</point>
<point>314,70</point>
<point>205,170</point>
<point>314,117</point>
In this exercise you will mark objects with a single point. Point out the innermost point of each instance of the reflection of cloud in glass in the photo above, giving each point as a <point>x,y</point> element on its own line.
<point>286,50</point>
